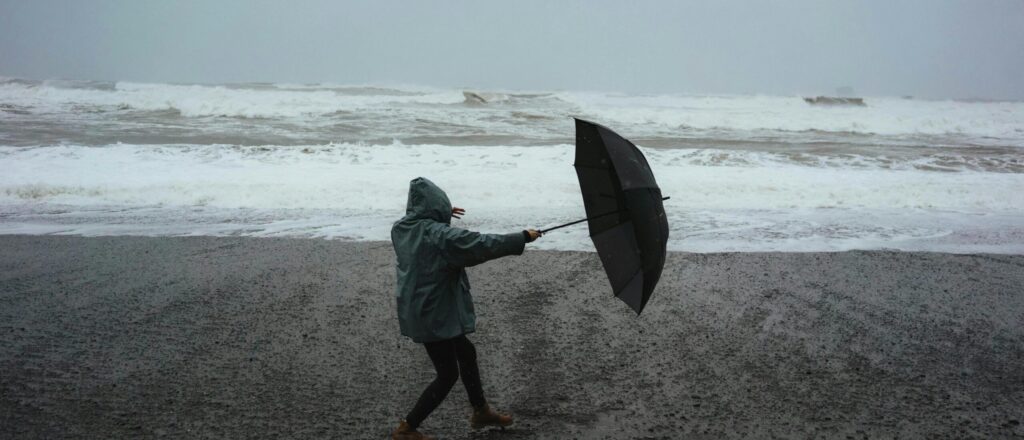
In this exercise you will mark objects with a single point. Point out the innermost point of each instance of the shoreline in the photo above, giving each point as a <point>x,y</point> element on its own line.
<point>146,337</point>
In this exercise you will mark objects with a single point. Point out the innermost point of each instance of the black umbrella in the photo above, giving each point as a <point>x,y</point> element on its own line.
<point>624,211</point>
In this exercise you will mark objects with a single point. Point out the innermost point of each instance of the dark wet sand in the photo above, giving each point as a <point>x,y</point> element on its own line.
<point>285,338</point>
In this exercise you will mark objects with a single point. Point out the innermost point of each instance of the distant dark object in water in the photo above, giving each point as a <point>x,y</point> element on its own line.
<point>481,98</point>
<point>832,100</point>
<point>488,97</point>
<point>908,97</point>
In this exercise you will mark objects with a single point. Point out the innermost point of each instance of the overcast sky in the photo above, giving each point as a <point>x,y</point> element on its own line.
<point>928,48</point>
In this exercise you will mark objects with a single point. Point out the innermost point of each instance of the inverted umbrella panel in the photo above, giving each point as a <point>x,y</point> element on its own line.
<point>624,211</point>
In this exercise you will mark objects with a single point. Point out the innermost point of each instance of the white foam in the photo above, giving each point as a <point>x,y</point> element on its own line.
<point>750,202</point>
<point>200,100</point>
<point>366,177</point>
<point>882,115</point>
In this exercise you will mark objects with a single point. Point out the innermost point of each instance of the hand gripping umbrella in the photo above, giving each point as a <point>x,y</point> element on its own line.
<point>624,211</point>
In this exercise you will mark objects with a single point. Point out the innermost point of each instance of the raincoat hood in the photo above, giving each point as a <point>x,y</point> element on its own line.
<point>427,201</point>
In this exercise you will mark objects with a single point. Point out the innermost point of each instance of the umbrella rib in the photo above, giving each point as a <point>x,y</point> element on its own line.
<point>638,271</point>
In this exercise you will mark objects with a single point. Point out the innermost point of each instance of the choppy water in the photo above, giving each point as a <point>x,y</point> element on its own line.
<point>744,172</point>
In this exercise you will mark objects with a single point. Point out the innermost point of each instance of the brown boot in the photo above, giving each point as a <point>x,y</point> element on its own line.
<point>485,416</point>
<point>405,432</point>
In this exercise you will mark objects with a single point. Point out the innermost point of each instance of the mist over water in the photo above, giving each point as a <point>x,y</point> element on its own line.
<point>328,160</point>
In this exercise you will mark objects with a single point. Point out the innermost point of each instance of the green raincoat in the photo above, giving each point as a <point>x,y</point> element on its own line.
<point>434,303</point>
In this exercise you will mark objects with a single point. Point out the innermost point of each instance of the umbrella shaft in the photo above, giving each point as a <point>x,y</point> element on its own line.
<point>544,231</point>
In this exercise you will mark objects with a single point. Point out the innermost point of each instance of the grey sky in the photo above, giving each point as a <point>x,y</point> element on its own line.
<point>924,48</point>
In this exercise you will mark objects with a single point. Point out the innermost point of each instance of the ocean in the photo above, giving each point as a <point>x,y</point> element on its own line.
<point>744,173</point>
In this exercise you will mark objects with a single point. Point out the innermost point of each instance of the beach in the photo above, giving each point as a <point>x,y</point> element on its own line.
<point>813,213</point>
<point>232,337</point>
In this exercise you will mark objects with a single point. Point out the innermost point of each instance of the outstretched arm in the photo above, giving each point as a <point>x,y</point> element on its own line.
<point>463,248</point>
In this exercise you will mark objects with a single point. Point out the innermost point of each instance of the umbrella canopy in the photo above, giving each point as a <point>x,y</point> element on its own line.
<point>625,212</point>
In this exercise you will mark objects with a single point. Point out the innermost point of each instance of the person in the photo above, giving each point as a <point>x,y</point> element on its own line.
<point>434,304</point>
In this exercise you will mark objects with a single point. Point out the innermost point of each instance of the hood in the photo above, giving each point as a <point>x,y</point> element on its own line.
<point>427,201</point>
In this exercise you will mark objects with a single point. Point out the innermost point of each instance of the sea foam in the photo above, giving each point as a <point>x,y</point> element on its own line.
<point>356,191</point>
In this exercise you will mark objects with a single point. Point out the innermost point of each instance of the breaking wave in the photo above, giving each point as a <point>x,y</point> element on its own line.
<point>643,115</point>
<point>349,176</point>
<point>721,200</point>
<point>203,100</point>
<point>881,116</point>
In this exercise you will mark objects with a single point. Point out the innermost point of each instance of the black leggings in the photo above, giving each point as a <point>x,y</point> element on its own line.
<point>452,358</point>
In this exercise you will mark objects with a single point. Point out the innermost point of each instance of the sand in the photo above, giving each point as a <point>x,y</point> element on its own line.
<point>123,337</point>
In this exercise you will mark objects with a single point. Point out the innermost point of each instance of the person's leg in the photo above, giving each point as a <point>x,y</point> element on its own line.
<point>443,356</point>
<point>469,372</point>
<point>483,414</point>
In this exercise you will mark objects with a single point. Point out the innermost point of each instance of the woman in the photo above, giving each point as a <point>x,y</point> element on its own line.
<point>434,304</point>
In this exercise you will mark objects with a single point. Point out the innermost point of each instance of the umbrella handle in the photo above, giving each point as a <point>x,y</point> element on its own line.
<point>544,231</point>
